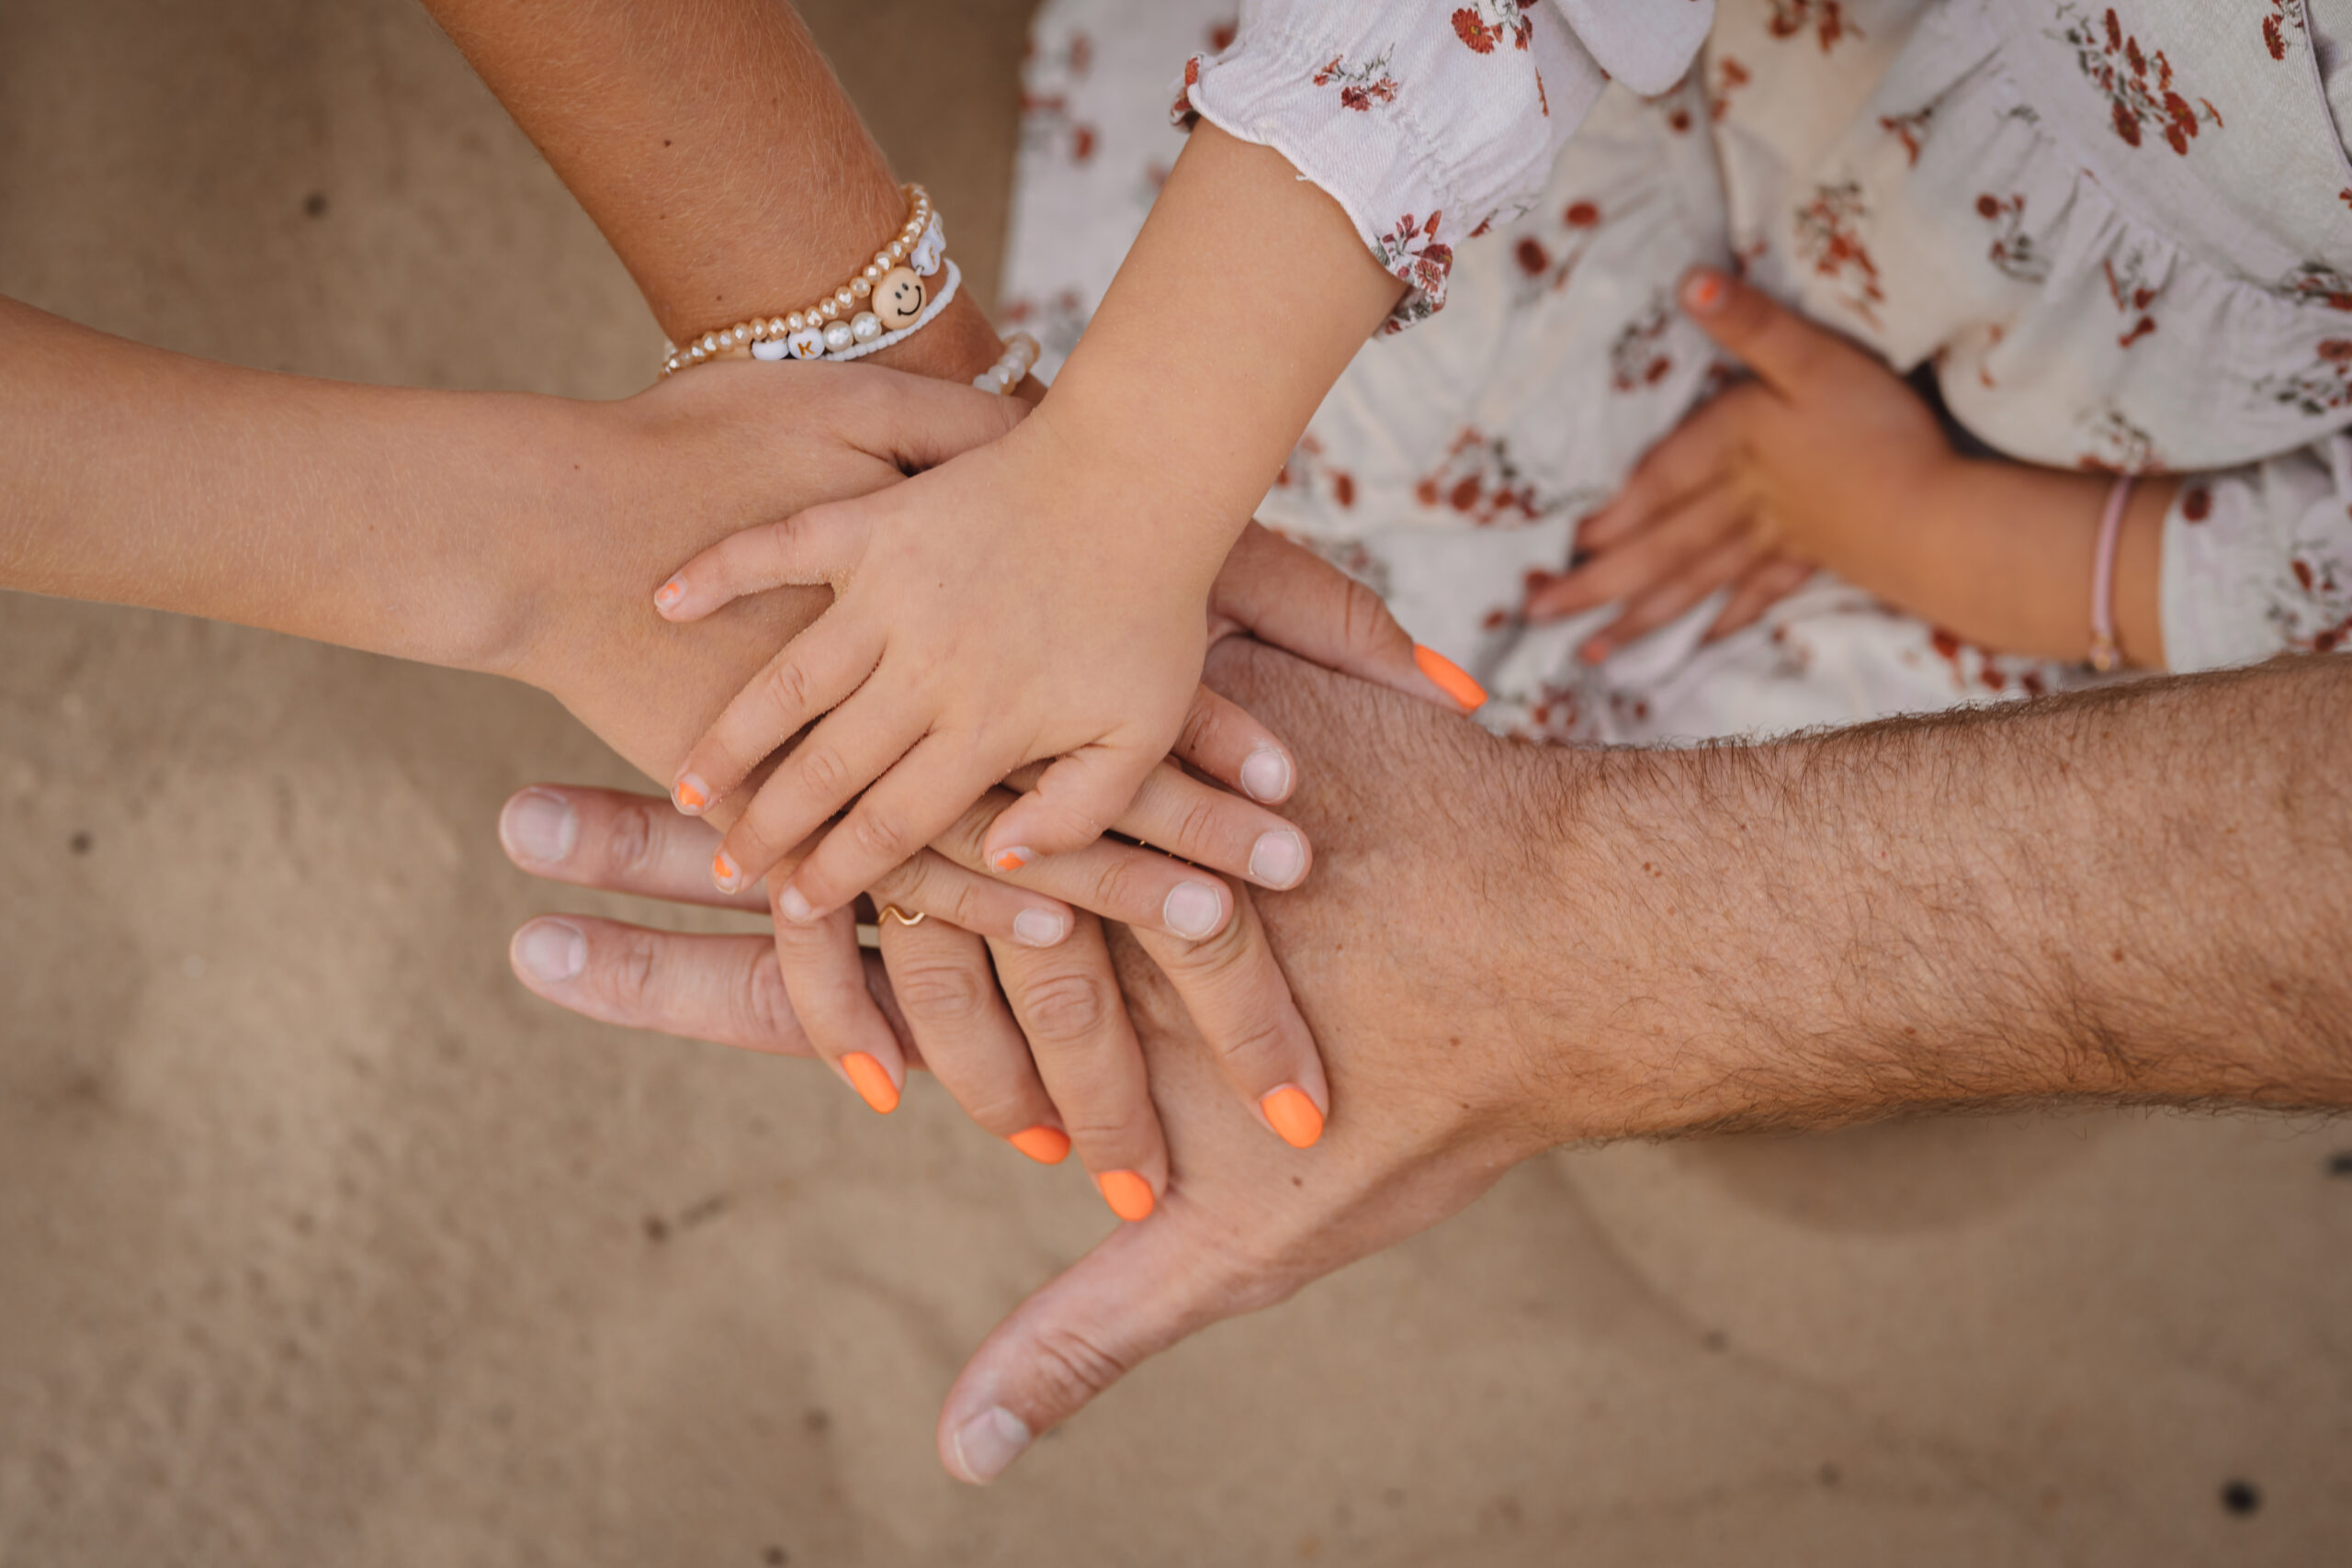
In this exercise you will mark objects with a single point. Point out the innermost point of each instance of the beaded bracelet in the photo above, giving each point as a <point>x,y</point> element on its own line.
<point>836,327</point>
<point>1020,354</point>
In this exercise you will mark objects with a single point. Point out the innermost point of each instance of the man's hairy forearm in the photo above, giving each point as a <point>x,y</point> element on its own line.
<point>2137,895</point>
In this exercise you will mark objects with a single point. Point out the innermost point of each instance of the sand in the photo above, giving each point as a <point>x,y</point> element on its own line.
<point>323,1243</point>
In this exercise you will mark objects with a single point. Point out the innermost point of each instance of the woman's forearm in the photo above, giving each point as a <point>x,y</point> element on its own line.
<point>712,145</point>
<point>375,517</point>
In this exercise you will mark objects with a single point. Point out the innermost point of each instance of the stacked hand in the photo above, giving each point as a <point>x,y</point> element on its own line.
<point>1051,1061</point>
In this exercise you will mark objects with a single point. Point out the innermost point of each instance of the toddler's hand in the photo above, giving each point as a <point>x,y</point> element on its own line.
<point>989,613</point>
<point>1779,474</point>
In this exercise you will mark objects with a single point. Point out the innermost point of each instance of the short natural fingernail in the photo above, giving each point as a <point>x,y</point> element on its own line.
<point>1703,294</point>
<point>872,1082</point>
<point>1191,910</point>
<point>1293,1116</point>
<point>1039,927</point>
<point>1046,1145</point>
<point>1014,858</point>
<point>793,905</point>
<point>987,1443</point>
<point>1265,775</point>
<point>690,794</point>
<point>1594,651</point>
<point>551,951</point>
<point>1129,1195</point>
<point>1450,678</point>
<point>539,827</point>
<point>667,596</point>
<point>1278,859</point>
<point>723,873</point>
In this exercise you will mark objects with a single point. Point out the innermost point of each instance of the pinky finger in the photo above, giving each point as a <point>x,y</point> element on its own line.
<point>1760,587</point>
<point>812,548</point>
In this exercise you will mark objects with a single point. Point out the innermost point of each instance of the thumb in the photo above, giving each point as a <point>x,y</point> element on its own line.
<point>916,422</point>
<point>1285,594</point>
<point>1784,350</point>
<point>1145,1288</point>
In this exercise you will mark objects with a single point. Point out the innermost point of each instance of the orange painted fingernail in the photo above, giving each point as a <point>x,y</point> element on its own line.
<point>1293,1116</point>
<point>1129,1194</point>
<point>872,1084</point>
<point>723,872</point>
<point>670,593</point>
<point>1704,292</point>
<point>1046,1145</point>
<point>1015,858</point>
<point>1450,678</point>
<point>690,793</point>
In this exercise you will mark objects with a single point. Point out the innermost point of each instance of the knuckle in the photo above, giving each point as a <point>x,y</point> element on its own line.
<point>1363,619</point>
<point>763,1006</point>
<point>941,993</point>
<point>1257,1037</point>
<point>1118,890</point>
<point>1066,1007</point>
<point>633,974</point>
<point>629,843</point>
<point>1196,821</point>
<point>822,770</point>
<point>788,688</point>
<point>1074,1366</point>
<point>1120,1129</point>
<point>883,834</point>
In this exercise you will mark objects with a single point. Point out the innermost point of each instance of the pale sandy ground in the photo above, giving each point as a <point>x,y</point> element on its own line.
<point>322,1243</point>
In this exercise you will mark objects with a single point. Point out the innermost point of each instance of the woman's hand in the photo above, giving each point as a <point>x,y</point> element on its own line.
<point>1793,469</point>
<point>933,990</point>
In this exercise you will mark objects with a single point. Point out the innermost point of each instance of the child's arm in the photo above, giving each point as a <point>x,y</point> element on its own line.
<point>1828,459</point>
<point>1047,600</point>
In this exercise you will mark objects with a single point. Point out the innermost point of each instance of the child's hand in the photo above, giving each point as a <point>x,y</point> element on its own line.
<point>1797,467</point>
<point>991,613</point>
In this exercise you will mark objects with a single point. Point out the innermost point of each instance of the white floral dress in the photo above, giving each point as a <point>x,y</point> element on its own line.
<point>2120,239</point>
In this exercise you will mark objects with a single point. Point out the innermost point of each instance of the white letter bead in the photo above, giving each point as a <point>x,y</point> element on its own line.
<point>930,249</point>
<point>838,337</point>
<point>867,327</point>
<point>770,349</point>
<point>899,299</point>
<point>807,344</point>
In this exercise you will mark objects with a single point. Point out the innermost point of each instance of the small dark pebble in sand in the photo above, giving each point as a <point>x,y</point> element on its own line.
<point>2240,1496</point>
<point>315,205</point>
<point>2340,1165</point>
<point>80,844</point>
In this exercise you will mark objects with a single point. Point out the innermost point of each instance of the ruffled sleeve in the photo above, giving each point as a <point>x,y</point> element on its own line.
<point>2257,560</point>
<point>1425,122</point>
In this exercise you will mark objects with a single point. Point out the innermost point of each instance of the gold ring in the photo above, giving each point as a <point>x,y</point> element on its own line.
<point>892,912</point>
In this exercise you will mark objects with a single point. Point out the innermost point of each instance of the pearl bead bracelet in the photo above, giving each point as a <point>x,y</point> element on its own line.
<point>880,305</point>
<point>1020,354</point>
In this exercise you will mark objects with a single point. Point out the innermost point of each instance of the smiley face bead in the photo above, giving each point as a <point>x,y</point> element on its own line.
<point>899,299</point>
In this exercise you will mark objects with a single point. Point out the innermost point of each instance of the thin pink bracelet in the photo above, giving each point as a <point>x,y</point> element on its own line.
<point>2105,656</point>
